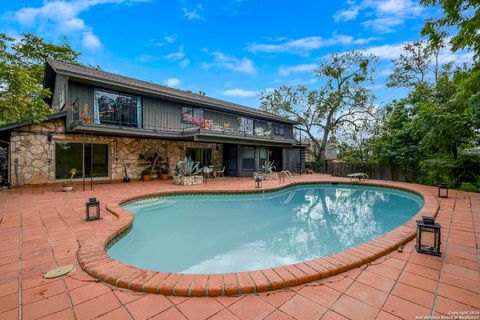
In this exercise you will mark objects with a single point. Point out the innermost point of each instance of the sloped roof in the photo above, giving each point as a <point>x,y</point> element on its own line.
<point>95,74</point>
<point>15,125</point>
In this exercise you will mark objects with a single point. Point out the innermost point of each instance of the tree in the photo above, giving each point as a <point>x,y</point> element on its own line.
<point>460,17</point>
<point>343,98</point>
<point>413,65</point>
<point>22,97</point>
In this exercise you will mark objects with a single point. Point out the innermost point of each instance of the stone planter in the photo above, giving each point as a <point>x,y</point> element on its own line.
<point>67,189</point>
<point>267,176</point>
<point>189,181</point>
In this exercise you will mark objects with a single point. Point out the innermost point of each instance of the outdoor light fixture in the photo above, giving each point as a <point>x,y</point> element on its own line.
<point>443,190</point>
<point>92,203</point>
<point>258,182</point>
<point>428,236</point>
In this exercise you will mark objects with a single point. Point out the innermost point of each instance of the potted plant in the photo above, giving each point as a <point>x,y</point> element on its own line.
<point>268,171</point>
<point>188,172</point>
<point>164,170</point>
<point>146,174</point>
<point>67,185</point>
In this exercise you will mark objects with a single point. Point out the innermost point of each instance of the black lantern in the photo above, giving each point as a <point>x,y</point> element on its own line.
<point>92,203</point>
<point>258,182</point>
<point>443,190</point>
<point>428,236</point>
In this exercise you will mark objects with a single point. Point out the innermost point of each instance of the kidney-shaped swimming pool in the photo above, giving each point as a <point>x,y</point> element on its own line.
<point>220,233</point>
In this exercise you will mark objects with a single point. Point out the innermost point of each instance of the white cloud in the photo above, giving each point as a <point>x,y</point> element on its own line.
<point>387,51</point>
<point>194,14</point>
<point>240,93</point>
<point>303,46</point>
<point>243,65</point>
<point>302,68</point>
<point>184,63</point>
<point>60,15</point>
<point>91,41</point>
<point>171,38</point>
<point>172,82</point>
<point>175,56</point>
<point>384,16</point>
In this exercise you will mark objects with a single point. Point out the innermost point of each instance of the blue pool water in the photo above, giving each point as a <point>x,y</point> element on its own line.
<point>232,233</point>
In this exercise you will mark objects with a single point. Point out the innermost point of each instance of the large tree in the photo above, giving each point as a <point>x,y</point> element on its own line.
<point>343,98</point>
<point>22,97</point>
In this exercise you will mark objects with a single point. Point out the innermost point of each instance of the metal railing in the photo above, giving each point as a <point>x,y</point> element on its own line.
<point>174,121</point>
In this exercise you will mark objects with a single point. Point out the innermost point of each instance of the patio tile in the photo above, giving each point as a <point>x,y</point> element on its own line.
<point>404,309</point>
<point>460,282</point>
<point>323,295</point>
<point>9,315</point>
<point>445,305</point>
<point>354,309</point>
<point>88,292</point>
<point>300,307</point>
<point>376,281</point>
<point>226,301</point>
<point>117,314</point>
<point>279,315</point>
<point>169,314</point>
<point>413,294</point>
<point>462,272</point>
<point>63,315</point>
<point>418,281</point>
<point>45,307</point>
<point>385,271</point>
<point>251,308</point>
<point>148,306</point>
<point>422,271</point>
<point>367,294</point>
<point>8,302</point>
<point>277,298</point>
<point>225,314</point>
<point>331,315</point>
<point>200,308</point>
<point>96,307</point>
<point>464,296</point>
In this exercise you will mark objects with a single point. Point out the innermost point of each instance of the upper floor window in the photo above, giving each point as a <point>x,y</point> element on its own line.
<point>246,125</point>
<point>117,108</point>
<point>191,115</point>
<point>279,130</point>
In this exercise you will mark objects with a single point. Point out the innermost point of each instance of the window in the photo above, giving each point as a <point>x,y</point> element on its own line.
<point>279,130</point>
<point>248,158</point>
<point>91,160</point>
<point>117,109</point>
<point>263,155</point>
<point>192,115</point>
<point>203,155</point>
<point>246,125</point>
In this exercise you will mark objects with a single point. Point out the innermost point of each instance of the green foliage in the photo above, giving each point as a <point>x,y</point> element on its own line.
<point>343,98</point>
<point>268,166</point>
<point>22,97</point>
<point>187,167</point>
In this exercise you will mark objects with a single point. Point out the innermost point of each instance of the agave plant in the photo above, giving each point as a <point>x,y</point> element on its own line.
<point>187,167</point>
<point>268,167</point>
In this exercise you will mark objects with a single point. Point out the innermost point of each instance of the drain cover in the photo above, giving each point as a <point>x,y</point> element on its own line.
<point>60,271</point>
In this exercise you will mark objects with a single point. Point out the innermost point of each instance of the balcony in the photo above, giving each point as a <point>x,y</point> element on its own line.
<point>176,122</point>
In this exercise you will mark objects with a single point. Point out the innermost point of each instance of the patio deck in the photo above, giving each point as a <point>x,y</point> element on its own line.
<point>42,228</point>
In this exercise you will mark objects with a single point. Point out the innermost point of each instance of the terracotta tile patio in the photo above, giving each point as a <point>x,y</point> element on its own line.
<point>42,228</point>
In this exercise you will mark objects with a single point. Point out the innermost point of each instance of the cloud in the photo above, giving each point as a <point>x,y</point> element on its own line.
<point>194,14</point>
<point>243,65</point>
<point>303,46</point>
<point>91,41</point>
<point>171,38</point>
<point>145,58</point>
<point>172,82</point>
<point>385,16</point>
<point>387,51</point>
<point>184,63</point>
<point>59,15</point>
<point>302,68</point>
<point>178,56</point>
<point>241,93</point>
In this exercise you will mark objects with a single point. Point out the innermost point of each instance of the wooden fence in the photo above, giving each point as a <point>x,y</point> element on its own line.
<point>380,171</point>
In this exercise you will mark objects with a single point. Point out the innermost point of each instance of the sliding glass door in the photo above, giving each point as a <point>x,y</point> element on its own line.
<point>90,160</point>
<point>117,109</point>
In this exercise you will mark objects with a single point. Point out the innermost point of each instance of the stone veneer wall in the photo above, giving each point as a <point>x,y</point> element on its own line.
<point>36,155</point>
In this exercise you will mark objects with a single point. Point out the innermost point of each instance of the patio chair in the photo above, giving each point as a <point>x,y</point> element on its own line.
<point>359,176</point>
<point>220,173</point>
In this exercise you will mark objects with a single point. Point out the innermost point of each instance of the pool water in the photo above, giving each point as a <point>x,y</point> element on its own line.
<point>233,232</point>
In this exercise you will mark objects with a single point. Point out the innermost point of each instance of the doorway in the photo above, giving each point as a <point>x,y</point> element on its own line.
<point>275,154</point>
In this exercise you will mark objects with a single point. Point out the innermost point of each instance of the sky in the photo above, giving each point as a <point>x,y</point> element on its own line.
<point>231,50</point>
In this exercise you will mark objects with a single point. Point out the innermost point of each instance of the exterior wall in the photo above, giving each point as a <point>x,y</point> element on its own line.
<point>58,91</point>
<point>82,92</point>
<point>36,155</point>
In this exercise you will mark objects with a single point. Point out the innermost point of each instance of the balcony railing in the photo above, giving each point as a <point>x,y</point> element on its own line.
<point>174,121</point>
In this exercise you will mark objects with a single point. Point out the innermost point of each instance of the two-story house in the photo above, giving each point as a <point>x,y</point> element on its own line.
<point>106,122</point>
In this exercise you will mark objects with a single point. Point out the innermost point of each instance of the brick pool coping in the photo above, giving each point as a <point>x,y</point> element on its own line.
<point>94,260</point>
